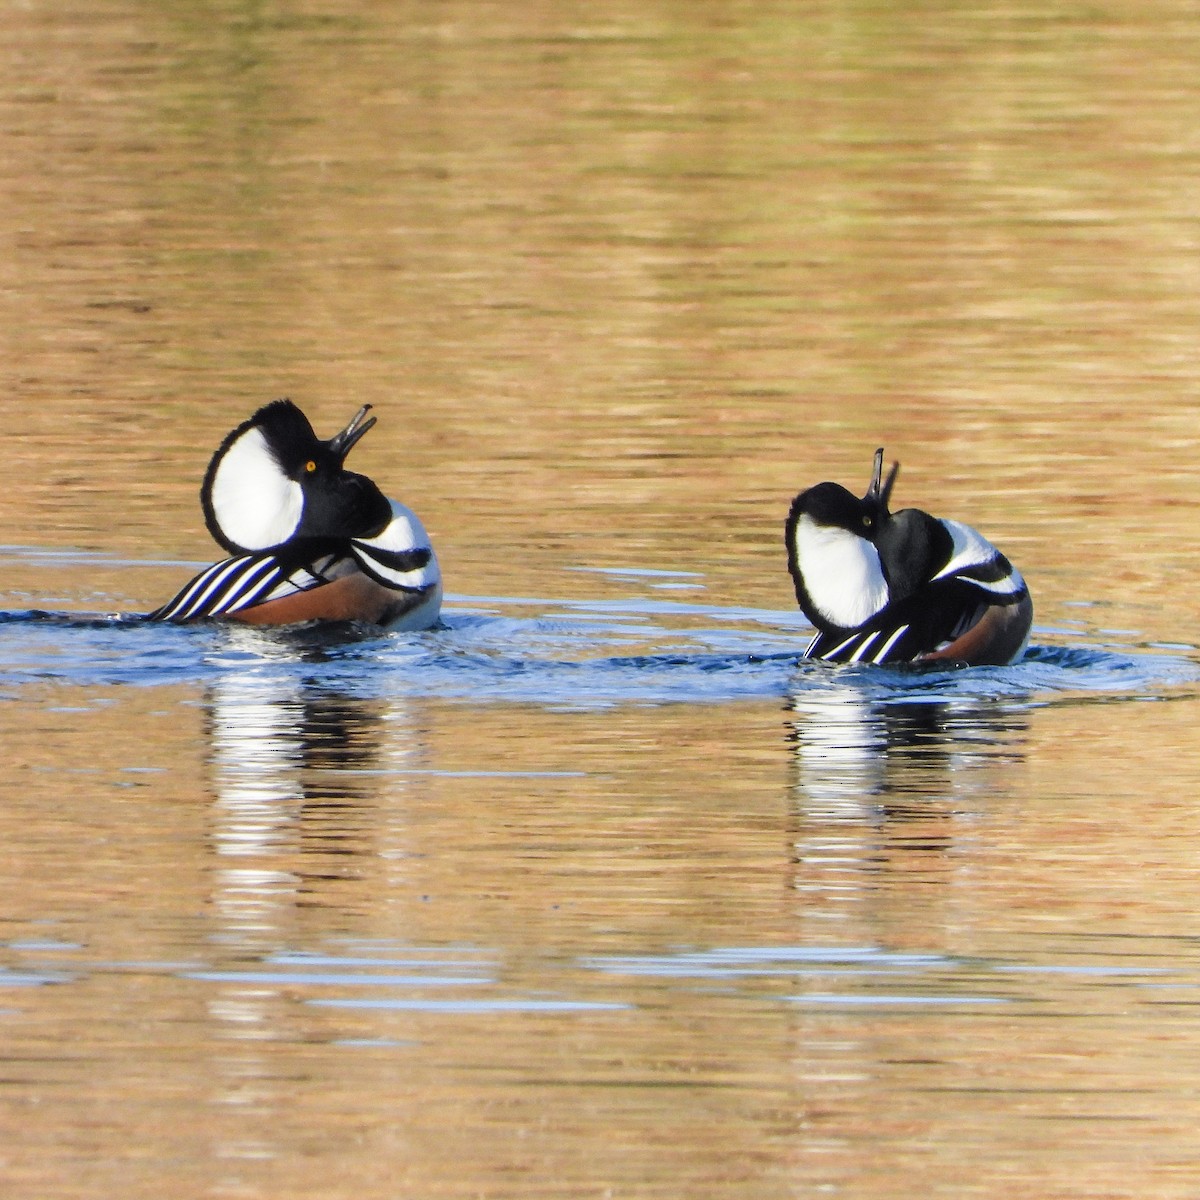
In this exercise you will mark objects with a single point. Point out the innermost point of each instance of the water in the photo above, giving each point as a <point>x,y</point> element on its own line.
<point>568,655</point>
<point>598,890</point>
<point>623,868</point>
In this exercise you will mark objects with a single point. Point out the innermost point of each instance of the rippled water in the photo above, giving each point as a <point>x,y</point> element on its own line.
<point>598,890</point>
<point>568,654</point>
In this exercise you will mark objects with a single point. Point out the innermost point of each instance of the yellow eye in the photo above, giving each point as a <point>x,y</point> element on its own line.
<point>310,466</point>
<point>867,522</point>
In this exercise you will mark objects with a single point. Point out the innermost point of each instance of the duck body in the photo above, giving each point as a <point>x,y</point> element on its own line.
<point>885,587</point>
<point>308,540</point>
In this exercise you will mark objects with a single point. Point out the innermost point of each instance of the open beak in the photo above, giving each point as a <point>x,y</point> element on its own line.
<point>881,492</point>
<point>342,443</point>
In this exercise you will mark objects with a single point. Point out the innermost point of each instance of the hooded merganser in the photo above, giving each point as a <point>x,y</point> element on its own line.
<point>309,539</point>
<point>886,587</point>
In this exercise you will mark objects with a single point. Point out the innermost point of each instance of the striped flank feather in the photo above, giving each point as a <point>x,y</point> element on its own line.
<point>874,646</point>
<point>226,587</point>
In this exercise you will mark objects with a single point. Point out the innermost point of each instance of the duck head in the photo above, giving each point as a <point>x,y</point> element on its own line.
<point>273,482</point>
<point>850,557</point>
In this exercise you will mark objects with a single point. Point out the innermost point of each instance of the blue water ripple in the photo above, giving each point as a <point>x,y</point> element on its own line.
<point>562,655</point>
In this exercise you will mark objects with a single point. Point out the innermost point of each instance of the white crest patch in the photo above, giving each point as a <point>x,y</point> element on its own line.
<point>972,549</point>
<point>256,505</point>
<point>842,573</point>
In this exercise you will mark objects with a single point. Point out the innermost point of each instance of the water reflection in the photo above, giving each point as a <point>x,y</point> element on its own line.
<point>303,803</point>
<point>850,745</point>
<point>299,804</point>
<point>887,787</point>
<point>888,791</point>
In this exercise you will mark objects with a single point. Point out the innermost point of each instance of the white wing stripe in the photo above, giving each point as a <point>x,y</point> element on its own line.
<point>838,648</point>
<point>225,587</point>
<point>1010,585</point>
<point>188,600</point>
<point>864,647</point>
<point>192,597</point>
<point>890,643</point>
<point>245,591</point>
<point>215,581</point>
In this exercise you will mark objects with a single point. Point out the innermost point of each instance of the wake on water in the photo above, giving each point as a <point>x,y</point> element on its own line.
<point>563,655</point>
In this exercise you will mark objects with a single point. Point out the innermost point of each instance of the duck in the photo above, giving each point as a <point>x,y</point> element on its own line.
<point>883,587</point>
<point>307,539</point>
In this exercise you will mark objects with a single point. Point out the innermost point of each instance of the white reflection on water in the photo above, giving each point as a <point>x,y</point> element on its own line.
<point>299,778</point>
<point>255,763</point>
<point>878,778</point>
<point>301,772</point>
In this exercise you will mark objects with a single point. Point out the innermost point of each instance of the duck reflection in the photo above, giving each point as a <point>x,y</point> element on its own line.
<point>307,833</point>
<point>298,772</point>
<point>887,786</point>
<point>850,745</point>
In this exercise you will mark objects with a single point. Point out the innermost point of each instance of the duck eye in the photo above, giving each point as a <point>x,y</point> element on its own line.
<point>310,466</point>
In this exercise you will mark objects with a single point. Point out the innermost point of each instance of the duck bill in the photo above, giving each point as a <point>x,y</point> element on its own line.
<point>880,491</point>
<point>876,475</point>
<point>885,494</point>
<point>342,443</point>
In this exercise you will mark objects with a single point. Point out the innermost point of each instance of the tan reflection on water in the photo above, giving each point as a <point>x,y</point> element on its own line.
<point>619,279</point>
